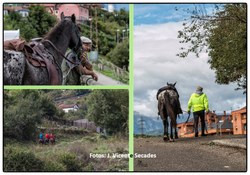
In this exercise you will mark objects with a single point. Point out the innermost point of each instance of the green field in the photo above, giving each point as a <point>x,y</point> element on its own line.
<point>70,153</point>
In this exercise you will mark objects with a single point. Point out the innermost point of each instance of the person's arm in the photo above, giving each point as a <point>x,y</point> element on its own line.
<point>206,103</point>
<point>190,104</point>
<point>85,71</point>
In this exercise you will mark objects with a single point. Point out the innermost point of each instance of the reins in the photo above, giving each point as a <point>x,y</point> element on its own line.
<point>75,63</point>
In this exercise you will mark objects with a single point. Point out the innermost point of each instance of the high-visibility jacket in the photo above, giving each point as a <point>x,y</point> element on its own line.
<point>198,102</point>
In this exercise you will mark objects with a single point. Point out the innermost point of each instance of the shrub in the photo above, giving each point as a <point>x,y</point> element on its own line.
<point>69,160</point>
<point>19,160</point>
<point>53,166</point>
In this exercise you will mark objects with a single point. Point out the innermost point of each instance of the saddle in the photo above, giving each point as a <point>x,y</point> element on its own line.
<point>37,55</point>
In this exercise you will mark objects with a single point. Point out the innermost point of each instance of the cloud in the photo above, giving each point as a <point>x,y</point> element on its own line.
<point>163,13</point>
<point>156,63</point>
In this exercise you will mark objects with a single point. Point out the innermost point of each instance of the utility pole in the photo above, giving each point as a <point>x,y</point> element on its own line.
<point>142,125</point>
<point>96,29</point>
<point>90,20</point>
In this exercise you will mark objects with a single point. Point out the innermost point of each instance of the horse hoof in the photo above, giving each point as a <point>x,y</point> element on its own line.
<point>165,139</point>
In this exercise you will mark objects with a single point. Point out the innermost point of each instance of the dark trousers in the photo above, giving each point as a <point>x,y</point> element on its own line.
<point>197,115</point>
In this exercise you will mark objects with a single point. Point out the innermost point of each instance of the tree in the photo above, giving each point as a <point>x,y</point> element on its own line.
<point>109,110</point>
<point>107,25</point>
<point>222,34</point>
<point>120,54</point>
<point>11,21</point>
<point>37,24</point>
<point>27,31</point>
<point>41,20</point>
<point>23,110</point>
<point>15,21</point>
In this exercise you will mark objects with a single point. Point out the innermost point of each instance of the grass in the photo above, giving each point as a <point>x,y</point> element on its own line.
<point>78,149</point>
<point>110,73</point>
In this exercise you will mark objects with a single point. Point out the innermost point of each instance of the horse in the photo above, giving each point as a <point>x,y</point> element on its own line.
<point>19,71</point>
<point>168,108</point>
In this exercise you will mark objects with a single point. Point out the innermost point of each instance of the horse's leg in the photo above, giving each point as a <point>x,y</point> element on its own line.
<point>171,131</point>
<point>175,129</point>
<point>176,133</point>
<point>165,134</point>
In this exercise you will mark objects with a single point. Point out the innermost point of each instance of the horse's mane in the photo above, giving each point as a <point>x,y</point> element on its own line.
<point>57,30</point>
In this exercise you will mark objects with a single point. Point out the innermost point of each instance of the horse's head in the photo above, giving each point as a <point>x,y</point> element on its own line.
<point>172,86</point>
<point>75,42</point>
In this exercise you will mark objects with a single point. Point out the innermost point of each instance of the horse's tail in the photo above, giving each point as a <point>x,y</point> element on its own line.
<point>171,108</point>
<point>14,67</point>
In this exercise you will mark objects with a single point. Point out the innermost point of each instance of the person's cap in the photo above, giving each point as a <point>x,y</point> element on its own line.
<point>199,89</point>
<point>86,40</point>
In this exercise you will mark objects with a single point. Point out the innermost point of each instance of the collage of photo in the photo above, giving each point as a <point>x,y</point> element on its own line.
<point>118,87</point>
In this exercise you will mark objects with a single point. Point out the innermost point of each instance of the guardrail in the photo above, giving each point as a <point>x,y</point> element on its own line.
<point>88,80</point>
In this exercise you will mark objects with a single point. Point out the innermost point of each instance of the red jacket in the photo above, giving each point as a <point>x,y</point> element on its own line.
<point>47,136</point>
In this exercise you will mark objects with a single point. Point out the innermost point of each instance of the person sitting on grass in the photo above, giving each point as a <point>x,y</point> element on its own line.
<point>47,137</point>
<point>41,139</point>
<point>52,138</point>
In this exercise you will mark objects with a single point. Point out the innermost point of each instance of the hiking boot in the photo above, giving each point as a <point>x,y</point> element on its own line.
<point>196,135</point>
<point>204,135</point>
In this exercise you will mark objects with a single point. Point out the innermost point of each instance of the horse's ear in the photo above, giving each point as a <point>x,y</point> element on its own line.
<point>175,83</point>
<point>73,18</point>
<point>62,16</point>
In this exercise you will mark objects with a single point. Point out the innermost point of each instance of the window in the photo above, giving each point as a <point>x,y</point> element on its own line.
<point>56,12</point>
<point>243,116</point>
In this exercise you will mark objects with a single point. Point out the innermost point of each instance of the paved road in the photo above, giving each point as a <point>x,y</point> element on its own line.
<point>188,154</point>
<point>105,80</point>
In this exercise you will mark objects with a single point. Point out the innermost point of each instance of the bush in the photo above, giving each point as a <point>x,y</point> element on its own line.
<point>53,166</point>
<point>69,160</point>
<point>19,160</point>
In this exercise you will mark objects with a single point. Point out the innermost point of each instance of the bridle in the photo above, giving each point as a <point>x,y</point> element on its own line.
<point>48,41</point>
<point>76,48</point>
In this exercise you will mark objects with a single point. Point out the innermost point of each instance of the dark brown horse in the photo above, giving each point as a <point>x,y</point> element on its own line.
<point>19,71</point>
<point>168,110</point>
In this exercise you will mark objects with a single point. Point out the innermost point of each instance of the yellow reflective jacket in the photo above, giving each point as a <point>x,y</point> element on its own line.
<point>199,102</point>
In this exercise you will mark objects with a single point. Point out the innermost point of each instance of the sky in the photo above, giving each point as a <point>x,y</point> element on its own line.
<point>155,62</point>
<point>119,6</point>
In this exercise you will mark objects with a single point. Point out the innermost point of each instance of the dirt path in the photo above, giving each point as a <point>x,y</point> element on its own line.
<point>187,154</point>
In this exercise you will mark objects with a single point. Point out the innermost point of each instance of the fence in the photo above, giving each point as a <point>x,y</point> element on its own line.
<point>120,73</point>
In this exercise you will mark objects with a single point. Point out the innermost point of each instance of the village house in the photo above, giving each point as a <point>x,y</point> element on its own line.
<point>81,11</point>
<point>239,120</point>
<point>86,124</point>
<point>68,107</point>
<point>22,9</point>
<point>215,124</point>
